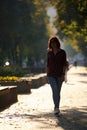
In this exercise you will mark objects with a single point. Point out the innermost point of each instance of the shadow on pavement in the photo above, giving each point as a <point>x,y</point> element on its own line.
<point>85,82</point>
<point>75,117</point>
<point>80,74</point>
<point>70,119</point>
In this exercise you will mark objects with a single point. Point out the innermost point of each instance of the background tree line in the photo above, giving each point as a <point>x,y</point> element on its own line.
<point>71,22</point>
<point>23,31</point>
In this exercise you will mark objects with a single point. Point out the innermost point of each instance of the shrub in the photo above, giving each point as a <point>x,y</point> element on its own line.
<point>11,71</point>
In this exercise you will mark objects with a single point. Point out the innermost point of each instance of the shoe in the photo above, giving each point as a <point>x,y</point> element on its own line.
<point>56,111</point>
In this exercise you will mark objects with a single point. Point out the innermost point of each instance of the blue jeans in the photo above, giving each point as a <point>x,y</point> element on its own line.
<point>56,85</point>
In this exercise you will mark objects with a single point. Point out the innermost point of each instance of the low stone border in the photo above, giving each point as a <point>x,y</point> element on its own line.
<point>10,89</point>
<point>25,84</point>
<point>36,83</point>
<point>8,96</point>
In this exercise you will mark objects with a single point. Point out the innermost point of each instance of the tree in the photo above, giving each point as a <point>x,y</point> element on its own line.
<point>71,22</point>
<point>23,30</point>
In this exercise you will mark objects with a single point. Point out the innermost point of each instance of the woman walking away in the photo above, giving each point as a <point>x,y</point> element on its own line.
<point>56,67</point>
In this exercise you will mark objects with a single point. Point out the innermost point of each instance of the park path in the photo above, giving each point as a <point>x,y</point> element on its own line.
<point>35,111</point>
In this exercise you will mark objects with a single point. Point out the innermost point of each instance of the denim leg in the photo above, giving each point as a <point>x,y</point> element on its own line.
<point>56,88</point>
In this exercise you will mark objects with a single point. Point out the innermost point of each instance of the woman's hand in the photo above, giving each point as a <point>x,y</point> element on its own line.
<point>62,78</point>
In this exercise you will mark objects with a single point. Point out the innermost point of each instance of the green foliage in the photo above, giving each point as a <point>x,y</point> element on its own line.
<point>71,22</point>
<point>23,30</point>
<point>11,71</point>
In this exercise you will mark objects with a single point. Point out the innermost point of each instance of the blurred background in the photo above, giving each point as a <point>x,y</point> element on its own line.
<point>25,27</point>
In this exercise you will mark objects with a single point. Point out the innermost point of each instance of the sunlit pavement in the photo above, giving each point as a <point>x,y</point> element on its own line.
<point>35,111</point>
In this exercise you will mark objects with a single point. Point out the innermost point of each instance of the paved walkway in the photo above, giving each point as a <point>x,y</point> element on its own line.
<point>35,111</point>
